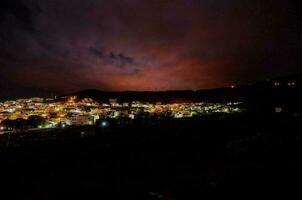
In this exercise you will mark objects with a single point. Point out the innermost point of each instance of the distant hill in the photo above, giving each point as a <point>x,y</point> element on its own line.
<point>283,90</point>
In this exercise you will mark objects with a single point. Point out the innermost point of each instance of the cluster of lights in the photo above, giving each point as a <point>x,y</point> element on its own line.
<point>73,111</point>
<point>289,84</point>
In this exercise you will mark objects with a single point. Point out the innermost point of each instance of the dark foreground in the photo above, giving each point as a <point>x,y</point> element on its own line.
<point>245,154</point>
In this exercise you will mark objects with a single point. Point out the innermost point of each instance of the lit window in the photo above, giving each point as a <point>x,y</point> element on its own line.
<point>278,109</point>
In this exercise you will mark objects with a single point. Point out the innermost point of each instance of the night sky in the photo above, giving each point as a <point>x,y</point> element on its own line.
<point>62,46</point>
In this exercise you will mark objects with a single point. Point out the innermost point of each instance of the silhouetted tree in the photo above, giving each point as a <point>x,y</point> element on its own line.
<point>35,121</point>
<point>20,124</point>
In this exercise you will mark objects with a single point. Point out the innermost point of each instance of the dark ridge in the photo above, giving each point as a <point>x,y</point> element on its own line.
<point>261,95</point>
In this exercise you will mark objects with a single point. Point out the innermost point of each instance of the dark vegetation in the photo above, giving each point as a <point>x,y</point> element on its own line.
<point>168,159</point>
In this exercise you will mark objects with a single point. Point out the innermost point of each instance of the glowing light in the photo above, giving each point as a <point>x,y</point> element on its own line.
<point>104,124</point>
<point>278,109</point>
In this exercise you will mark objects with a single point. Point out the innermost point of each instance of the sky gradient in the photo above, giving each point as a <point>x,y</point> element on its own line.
<point>63,46</point>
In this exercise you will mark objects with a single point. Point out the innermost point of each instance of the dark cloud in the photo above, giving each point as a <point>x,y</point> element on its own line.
<point>96,52</point>
<point>118,60</point>
<point>146,45</point>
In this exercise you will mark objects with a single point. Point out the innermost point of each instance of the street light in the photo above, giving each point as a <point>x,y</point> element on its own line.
<point>104,124</point>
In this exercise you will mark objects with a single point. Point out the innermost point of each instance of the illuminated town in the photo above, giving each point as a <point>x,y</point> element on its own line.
<point>73,111</point>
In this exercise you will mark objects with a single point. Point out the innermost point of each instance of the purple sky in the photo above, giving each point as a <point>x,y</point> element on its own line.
<point>64,46</point>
